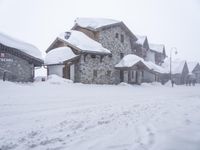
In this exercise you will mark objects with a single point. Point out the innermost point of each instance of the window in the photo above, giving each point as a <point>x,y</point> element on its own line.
<point>108,73</point>
<point>94,73</point>
<point>121,55</point>
<point>122,38</point>
<point>2,54</point>
<point>132,74</point>
<point>93,56</point>
<point>117,35</point>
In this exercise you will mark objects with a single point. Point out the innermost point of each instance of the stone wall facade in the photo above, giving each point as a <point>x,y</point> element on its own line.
<point>101,69</point>
<point>17,69</point>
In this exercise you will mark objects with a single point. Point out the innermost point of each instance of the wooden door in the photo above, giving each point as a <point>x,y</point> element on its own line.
<point>66,72</point>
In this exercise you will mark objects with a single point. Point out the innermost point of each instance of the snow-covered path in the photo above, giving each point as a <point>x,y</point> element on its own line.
<point>63,116</point>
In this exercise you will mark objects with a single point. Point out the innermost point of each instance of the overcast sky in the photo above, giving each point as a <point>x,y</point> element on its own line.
<point>175,23</point>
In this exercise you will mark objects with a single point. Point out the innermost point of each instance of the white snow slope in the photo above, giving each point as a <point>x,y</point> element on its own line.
<point>65,116</point>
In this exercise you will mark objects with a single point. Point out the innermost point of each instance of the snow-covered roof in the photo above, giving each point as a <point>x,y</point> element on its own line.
<point>191,65</point>
<point>157,47</point>
<point>152,66</point>
<point>177,65</point>
<point>83,42</point>
<point>129,61</point>
<point>21,46</point>
<point>141,39</point>
<point>59,55</point>
<point>94,23</point>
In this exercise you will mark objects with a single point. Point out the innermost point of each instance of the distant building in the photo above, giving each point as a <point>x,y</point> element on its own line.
<point>194,69</point>
<point>18,59</point>
<point>179,70</point>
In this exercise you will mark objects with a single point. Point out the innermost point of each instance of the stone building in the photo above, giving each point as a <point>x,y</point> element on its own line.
<point>97,64</point>
<point>18,59</point>
<point>86,60</point>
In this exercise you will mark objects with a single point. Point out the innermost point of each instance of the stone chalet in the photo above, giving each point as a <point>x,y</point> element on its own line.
<point>97,50</point>
<point>18,59</point>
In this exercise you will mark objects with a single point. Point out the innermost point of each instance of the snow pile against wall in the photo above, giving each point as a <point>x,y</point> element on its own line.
<point>83,42</point>
<point>59,55</point>
<point>54,79</point>
<point>22,46</point>
<point>94,23</point>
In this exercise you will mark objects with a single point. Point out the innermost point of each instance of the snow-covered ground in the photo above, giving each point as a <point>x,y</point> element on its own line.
<point>60,115</point>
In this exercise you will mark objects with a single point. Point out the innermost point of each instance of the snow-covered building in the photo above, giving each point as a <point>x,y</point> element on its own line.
<point>99,45</point>
<point>179,71</point>
<point>194,70</point>
<point>141,46</point>
<point>138,70</point>
<point>156,53</point>
<point>74,55</point>
<point>18,59</point>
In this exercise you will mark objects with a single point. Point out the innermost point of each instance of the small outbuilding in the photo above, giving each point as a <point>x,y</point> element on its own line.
<point>18,59</point>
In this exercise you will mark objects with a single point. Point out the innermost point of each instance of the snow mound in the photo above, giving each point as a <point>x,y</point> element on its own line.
<point>124,84</point>
<point>94,23</point>
<point>168,83</point>
<point>83,42</point>
<point>19,45</point>
<point>59,55</point>
<point>54,79</point>
<point>154,84</point>
<point>40,79</point>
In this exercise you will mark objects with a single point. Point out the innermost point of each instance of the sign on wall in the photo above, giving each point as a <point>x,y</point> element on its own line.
<point>3,58</point>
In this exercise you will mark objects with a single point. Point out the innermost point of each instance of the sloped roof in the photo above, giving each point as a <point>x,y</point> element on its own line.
<point>97,24</point>
<point>82,42</point>
<point>59,55</point>
<point>94,23</point>
<point>191,65</point>
<point>152,66</point>
<point>141,39</point>
<point>129,61</point>
<point>21,46</point>
<point>177,65</point>
<point>157,47</point>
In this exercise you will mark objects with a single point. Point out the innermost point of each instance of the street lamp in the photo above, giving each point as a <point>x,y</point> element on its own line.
<point>175,50</point>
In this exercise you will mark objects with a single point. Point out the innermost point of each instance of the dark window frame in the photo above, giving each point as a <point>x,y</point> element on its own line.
<point>95,73</point>
<point>116,35</point>
<point>122,38</point>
